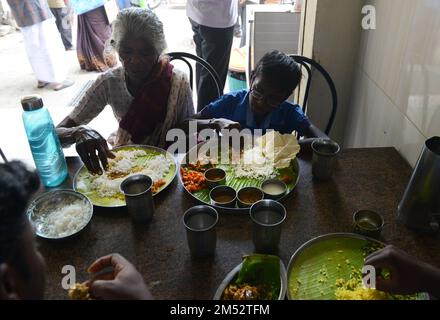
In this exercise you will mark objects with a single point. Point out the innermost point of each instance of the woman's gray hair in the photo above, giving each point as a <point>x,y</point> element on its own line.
<point>140,23</point>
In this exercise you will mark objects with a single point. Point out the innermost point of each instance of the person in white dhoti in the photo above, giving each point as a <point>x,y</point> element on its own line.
<point>43,44</point>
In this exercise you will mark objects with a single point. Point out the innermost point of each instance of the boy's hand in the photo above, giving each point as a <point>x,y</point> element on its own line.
<point>221,123</point>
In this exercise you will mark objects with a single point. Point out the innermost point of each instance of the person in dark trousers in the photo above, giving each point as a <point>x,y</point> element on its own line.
<point>61,11</point>
<point>242,13</point>
<point>213,26</point>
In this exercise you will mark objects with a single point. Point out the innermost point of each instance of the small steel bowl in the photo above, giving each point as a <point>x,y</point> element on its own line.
<point>276,182</point>
<point>246,191</point>
<point>368,223</point>
<point>48,203</point>
<point>218,191</point>
<point>210,174</point>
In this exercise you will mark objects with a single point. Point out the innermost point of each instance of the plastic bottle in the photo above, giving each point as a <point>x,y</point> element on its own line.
<point>45,146</point>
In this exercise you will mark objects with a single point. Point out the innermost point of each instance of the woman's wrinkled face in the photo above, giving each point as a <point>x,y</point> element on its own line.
<point>137,57</point>
<point>264,97</point>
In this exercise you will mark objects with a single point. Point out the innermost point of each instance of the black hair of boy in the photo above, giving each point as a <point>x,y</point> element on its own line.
<point>283,71</point>
<point>17,184</point>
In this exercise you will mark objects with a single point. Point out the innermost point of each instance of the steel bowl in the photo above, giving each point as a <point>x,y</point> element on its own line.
<point>243,204</point>
<point>368,223</point>
<point>210,173</point>
<point>276,182</point>
<point>50,202</point>
<point>214,193</point>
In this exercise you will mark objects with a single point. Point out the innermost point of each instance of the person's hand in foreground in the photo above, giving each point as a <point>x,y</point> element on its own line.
<point>124,282</point>
<point>408,275</point>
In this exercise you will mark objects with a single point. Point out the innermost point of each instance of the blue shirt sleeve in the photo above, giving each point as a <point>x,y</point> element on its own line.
<point>224,107</point>
<point>296,120</point>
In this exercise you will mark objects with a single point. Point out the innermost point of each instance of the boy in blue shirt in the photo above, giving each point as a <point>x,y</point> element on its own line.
<point>263,106</point>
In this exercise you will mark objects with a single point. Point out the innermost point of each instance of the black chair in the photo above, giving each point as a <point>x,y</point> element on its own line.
<point>2,156</point>
<point>186,57</point>
<point>310,65</point>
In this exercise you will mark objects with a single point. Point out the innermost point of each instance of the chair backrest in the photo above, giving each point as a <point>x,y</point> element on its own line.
<point>186,57</point>
<point>310,65</point>
<point>2,155</point>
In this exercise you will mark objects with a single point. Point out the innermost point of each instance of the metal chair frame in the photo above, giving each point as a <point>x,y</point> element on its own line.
<point>185,56</point>
<point>2,155</point>
<point>309,65</point>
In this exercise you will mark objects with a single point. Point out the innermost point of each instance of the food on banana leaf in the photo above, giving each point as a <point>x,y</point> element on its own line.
<point>270,156</point>
<point>258,279</point>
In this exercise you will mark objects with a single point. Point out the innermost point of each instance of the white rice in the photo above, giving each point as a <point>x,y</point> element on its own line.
<point>254,164</point>
<point>124,160</point>
<point>64,220</point>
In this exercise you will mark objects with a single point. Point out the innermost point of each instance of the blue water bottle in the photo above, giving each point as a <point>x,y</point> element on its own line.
<point>43,140</point>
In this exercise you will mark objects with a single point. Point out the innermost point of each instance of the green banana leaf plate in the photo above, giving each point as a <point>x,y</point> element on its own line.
<point>257,269</point>
<point>316,266</point>
<point>239,183</point>
<point>82,179</point>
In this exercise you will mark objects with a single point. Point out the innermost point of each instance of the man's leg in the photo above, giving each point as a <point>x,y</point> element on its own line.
<point>63,25</point>
<point>66,33</point>
<point>216,50</point>
<point>243,24</point>
<point>58,20</point>
<point>198,43</point>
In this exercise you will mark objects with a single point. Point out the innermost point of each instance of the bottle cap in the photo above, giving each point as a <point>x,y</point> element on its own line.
<point>30,103</point>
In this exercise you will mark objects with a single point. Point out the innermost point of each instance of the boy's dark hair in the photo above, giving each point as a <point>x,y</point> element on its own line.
<point>283,71</point>
<point>17,184</point>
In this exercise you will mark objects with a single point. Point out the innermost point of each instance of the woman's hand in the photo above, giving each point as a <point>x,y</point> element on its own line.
<point>93,149</point>
<point>124,282</point>
<point>407,274</point>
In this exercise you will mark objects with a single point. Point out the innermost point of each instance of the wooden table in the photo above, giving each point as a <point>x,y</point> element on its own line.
<point>364,179</point>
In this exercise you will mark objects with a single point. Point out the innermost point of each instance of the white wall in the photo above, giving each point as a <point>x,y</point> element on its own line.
<point>396,94</point>
<point>331,37</point>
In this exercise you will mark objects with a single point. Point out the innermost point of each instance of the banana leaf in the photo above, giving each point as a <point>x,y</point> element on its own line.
<point>263,271</point>
<point>317,266</point>
<point>82,181</point>
<point>291,172</point>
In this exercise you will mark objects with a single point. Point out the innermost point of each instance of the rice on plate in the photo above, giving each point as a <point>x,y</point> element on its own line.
<point>59,214</point>
<point>64,221</point>
<point>104,190</point>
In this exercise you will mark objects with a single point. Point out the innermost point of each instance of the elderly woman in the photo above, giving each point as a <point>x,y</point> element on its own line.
<point>147,95</point>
